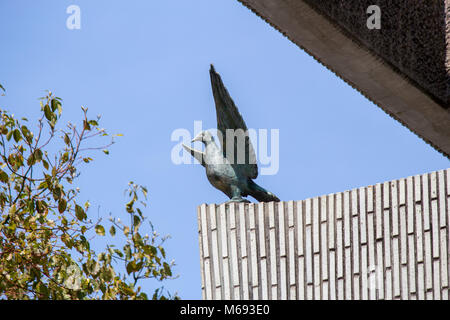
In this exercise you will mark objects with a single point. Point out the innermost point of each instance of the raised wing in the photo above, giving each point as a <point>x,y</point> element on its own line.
<point>200,156</point>
<point>228,117</point>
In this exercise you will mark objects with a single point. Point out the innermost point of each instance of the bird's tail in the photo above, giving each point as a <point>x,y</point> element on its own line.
<point>261,194</point>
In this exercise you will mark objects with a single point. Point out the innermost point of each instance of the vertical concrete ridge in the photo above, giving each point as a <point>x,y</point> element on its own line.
<point>386,241</point>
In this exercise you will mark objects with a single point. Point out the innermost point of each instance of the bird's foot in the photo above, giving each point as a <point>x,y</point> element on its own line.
<point>238,199</point>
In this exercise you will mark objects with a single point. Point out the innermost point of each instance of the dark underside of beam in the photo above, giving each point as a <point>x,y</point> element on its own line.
<point>403,67</point>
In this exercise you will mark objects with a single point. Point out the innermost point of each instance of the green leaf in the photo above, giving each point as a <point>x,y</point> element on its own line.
<point>24,130</point>
<point>40,207</point>
<point>13,209</point>
<point>100,230</point>
<point>45,163</point>
<point>144,191</point>
<point>31,160</point>
<point>27,134</point>
<point>52,123</point>
<point>85,242</point>
<point>136,221</point>
<point>38,155</point>
<point>112,231</point>
<point>3,89</point>
<point>131,267</point>
<point>106,151</point>
<point>43,185</point>
<point>56,104</point>
<point>62,205</point>
<point>79,213</point>
<point>17,135</point>
<point>66,139</point>
<point>12,160</point>
<point>4,176</point>
<point>9,135</point>
<point>126,290</point>
<point>43,290</point>
<point>139,266</point>
<point>57,193</point>
<point>118,252</point>
<point>127,251</point>
<point>129,206</point>
<point>163,252</point>
<point>167,269</point>
<point>143,296</point>
<point>48,113</point>
<point>65,157</point>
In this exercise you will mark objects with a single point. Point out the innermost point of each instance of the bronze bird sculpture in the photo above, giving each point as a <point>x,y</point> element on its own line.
<point>231,168</point>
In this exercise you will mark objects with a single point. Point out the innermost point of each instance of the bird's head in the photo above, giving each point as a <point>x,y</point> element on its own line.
<point>204,137</point>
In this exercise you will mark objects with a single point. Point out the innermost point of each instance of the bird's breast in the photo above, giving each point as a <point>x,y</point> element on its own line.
<point>221,177</point>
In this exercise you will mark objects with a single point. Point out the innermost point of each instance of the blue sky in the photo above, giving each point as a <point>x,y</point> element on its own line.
<point>143,65</point>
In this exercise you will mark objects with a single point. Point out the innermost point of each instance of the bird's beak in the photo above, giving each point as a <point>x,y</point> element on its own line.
<point>197,138</point>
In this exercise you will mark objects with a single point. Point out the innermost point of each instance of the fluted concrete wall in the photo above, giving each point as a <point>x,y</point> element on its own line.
<point>388,241</point>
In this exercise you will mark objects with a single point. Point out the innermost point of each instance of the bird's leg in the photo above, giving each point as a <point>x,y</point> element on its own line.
<point>238,199</point>
<point>236,195</point>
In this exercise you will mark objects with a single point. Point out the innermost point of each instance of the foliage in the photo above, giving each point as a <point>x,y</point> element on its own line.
<point>46,235</point>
